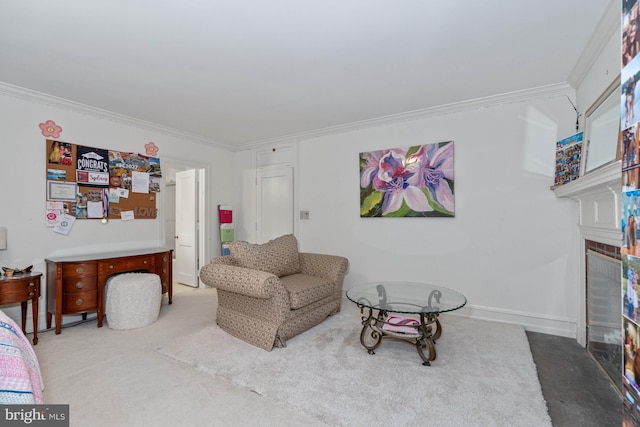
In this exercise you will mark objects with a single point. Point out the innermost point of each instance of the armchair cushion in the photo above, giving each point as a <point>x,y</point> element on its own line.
<point>278,256</point>
<point>304,289</point>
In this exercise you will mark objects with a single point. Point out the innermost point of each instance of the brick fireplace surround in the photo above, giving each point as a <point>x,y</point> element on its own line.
<point>604,249</point>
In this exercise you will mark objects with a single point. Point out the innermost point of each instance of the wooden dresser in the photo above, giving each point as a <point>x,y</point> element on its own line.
<point>75,284</point>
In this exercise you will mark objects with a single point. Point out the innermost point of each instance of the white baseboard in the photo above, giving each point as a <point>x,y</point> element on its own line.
<point>534,322</point>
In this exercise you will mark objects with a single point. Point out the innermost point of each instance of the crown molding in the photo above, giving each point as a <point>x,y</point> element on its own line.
<point>608,25</point>
<point>549,91</point>
<point>76,107</point>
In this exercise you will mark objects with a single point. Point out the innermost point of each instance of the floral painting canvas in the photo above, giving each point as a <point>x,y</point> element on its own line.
<point>408,182</point>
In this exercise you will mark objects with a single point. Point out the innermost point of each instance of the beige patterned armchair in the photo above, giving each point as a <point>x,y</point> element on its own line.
<point>268,293</point>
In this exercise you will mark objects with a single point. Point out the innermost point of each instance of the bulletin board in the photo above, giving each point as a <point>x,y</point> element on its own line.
<point>94,183</point>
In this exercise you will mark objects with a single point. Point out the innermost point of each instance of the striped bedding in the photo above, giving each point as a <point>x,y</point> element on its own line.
<point>20,378</point>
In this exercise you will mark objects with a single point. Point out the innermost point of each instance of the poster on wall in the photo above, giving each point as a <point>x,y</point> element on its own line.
<point>123,166</point>
<point>415,181</point>
<point>630,209</point>
<point>630,220</point>
<point>92,166</point>
<point>568,155</point>
<point>59,153</point>
<point>96,183</point>
<point>630,158</point>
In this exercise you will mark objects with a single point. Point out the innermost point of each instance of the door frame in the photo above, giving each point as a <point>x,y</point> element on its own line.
<point>265,157</point>
<point>204,210</point>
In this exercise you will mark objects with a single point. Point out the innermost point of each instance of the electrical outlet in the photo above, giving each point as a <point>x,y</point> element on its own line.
<point>304,214</point>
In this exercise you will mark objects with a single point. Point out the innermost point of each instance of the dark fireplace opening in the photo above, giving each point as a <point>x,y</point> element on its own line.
<point>604,308</point>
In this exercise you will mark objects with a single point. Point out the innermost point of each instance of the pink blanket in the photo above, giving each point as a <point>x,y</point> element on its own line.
<point>405,325</point>
<point>20,378</point>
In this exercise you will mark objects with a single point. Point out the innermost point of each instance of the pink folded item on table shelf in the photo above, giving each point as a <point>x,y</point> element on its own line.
<point>405,325</point>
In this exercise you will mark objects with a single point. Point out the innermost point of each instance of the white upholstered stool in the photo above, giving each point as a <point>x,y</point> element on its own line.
<point>133,300</point>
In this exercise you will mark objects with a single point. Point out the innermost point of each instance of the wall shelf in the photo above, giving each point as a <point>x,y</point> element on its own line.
<point>607,178</point>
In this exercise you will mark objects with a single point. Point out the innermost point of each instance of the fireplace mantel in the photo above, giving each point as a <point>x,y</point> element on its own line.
<point>607,178</point>
<point>598,195</point>
<point>599,219</point>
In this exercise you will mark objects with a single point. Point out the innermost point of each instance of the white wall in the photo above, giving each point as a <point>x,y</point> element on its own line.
<point>508,247</point>
<point>23,190</point>
<point>513,248</point>
<point>244,201</point>
<point>602,71</point>
<point>505,250</point>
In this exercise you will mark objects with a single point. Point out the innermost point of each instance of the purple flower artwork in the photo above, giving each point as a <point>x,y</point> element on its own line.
<point>408,182</point>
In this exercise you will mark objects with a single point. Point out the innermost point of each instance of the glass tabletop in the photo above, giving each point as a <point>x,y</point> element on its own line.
<point>406,297</point>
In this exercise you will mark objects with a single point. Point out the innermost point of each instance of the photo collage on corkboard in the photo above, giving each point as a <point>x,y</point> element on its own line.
<point>94,183</point>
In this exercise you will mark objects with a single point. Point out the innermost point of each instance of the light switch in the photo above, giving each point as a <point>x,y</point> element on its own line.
<point>3,238</point>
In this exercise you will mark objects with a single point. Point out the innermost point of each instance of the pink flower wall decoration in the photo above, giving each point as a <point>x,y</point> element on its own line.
<point>50,129</point>
<point>152,149</point>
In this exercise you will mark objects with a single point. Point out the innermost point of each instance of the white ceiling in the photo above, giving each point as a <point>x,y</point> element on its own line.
<point>239,72</point>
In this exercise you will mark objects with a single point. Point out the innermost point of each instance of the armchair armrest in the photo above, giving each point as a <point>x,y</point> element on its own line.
<point>320,265</point>
<point>245,281</point>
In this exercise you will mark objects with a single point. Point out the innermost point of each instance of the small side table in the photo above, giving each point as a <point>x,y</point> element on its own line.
<point>21,289</point>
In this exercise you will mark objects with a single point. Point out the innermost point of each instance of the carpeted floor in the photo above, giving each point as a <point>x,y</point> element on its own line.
<point>484,374</point>
<point>117,378</point>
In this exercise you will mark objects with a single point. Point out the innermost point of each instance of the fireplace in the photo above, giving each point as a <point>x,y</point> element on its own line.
<point>604,308</point>
<point>599,320</point>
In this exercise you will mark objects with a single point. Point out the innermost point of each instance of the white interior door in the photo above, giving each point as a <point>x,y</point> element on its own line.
<point>275,203</point>
<point>186,262</point>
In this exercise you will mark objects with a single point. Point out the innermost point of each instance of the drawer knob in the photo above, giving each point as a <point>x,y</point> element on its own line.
<point>32,285</point>
<point>144,262</point>
<point>79,270</point>
<point>79,301</point>
<point>111,267</point>
<point>31,294</point>
<point>79,285</point>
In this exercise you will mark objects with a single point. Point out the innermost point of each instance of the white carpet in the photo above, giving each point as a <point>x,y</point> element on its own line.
<point>484,374</point>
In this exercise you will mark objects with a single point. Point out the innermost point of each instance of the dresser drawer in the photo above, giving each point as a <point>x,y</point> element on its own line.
<point>140,263</point>
<point>79,302</point>
<point>129,264</point>
<point>17,291</point>
<point>72,284</point>
<point>79,269</point>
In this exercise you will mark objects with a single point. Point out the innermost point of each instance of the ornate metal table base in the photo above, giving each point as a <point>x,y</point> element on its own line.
<point>425,336</point>
<point>403,298</point>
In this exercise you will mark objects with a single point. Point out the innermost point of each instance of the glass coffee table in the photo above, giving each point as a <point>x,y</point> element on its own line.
<point>414,309</point>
